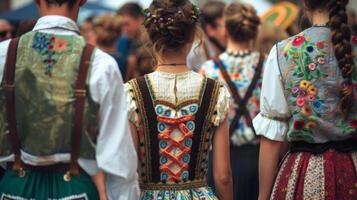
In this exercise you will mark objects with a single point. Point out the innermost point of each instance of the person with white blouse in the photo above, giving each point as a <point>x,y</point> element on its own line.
<point>63,121</point>
<point>308,99</point>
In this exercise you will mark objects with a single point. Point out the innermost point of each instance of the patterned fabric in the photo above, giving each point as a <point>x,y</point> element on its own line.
<point>46,186</point>
<point>241,69</point>
<point>329,176</point>
<point>183,137</point>
<point>46,72</point>
<point>312,81</point>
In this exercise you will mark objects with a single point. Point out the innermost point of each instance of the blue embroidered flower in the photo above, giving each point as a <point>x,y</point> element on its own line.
<point>186,158</point>
<point>317,106</point>
<point>310,49</point>
<point>159,110</point>
<point>163,144</point>
<point>193,109</point>
<point>41,43</point>
<point>164,176</point>
<point>163,160</point>
<point>188,142</point>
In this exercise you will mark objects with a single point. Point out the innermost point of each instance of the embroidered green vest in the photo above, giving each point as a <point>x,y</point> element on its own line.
<point>46,73</point>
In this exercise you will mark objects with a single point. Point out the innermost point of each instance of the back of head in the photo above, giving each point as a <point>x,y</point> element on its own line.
<point>341,39</point>
<point>171,24</point>
<point>210,12</point>
<point>133,10</point>
<point>241,22</point>
<point>61,2</point>
<point>107,30</point>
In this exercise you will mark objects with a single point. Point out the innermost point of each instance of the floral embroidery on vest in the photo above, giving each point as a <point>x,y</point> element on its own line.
<point>49,46</point>
<point>310,79</point>
<point>305,95</point>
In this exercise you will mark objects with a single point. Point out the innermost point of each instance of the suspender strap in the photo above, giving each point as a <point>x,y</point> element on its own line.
<point>10,68</point>
<point>80,96</point>
<point>242,110</point>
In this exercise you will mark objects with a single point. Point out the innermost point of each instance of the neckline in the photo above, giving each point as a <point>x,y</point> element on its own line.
<point>172,74</point>
<point>242,53</point>
<point>327,25</point>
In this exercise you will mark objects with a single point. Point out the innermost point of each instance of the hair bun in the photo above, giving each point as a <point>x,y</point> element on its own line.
<point>241,21</point>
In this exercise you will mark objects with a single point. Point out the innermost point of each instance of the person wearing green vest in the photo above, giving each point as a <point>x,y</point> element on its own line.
<point>64,130</point>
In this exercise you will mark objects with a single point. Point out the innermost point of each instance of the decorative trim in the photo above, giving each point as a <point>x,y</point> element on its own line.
<point>206,133</point>
<point>281,119</point>
<point>144,132</point>
<point>178,186</point>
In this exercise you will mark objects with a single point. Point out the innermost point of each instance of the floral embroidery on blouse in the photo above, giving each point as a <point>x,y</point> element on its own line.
<point>49,46</point>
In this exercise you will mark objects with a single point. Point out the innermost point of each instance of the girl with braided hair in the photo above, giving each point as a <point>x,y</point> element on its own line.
<point>177,114</point>
<point>240,68</point>
<point>309,99</point>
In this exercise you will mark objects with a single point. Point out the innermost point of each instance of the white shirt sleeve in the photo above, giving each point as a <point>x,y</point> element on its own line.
<point>271,122</point>
<point>115,152</point>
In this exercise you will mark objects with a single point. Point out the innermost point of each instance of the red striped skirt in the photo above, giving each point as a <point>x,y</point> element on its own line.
<point>327,176</point>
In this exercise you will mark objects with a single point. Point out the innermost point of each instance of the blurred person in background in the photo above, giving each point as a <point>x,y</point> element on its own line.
<point>240,68</point>
<point>6,30</point>
<point>75,122</point>
<point>107,29</point>
<point>87,31</point>
<point>140,64</point>
<point>268,36</point>
<point>214,43</point>
<point>131,16</point>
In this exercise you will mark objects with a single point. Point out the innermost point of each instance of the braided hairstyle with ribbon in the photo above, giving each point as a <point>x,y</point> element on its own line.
<point>341,40</point>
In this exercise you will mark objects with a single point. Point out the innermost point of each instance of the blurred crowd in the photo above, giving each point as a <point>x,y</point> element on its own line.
<point>122,35</point>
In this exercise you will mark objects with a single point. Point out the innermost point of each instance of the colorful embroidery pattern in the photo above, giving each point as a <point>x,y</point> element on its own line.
<point>305,58</point>
<point>307,61</point>
<point>49,46</point>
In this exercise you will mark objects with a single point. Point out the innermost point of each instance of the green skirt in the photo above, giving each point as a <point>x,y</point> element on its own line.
<point>38,185</point>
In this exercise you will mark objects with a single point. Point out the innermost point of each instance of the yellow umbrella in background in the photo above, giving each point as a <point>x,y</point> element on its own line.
<point>282,14</point>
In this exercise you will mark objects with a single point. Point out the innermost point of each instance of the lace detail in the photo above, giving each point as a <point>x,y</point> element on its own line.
<point>132,106</point>
<point>222,106</point>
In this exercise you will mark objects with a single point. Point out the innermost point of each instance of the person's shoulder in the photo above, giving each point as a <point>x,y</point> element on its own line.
<point>103,63</point>
<point>103,58</point>
<point>4,45</point>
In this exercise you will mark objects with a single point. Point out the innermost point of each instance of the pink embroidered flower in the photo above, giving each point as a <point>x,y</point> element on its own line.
<point>299,124</point>
<point>299,40</point>
<point>312,66</point>
<point>321,60</point>
<point>354,40</point>
<point>320,45</point>
<point>300,102</point>
<point>353,123</point>
<point>295,90</point>
<point>60,45</point>
<point>311,98</point>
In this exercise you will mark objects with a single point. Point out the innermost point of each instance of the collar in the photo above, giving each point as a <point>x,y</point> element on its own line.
<point>56,21</point>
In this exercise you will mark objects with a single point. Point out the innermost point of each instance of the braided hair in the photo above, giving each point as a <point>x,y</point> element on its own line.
<point>341,40</point>
<point>170,24</point>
